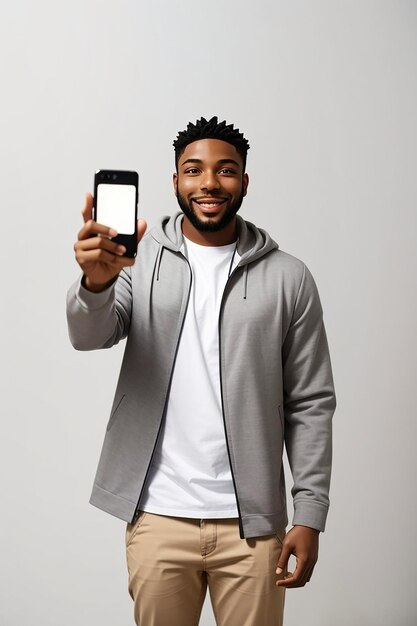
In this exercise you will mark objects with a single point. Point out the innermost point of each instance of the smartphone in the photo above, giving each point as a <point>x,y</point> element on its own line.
<point>116,205</point>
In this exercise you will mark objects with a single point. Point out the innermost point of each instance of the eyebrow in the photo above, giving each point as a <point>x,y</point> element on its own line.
<point>220,162</point>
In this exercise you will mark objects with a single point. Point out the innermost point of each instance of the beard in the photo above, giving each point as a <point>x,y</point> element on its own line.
<point>210,225</point>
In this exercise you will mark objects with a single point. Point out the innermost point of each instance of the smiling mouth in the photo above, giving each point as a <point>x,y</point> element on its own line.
<point>210,206</point>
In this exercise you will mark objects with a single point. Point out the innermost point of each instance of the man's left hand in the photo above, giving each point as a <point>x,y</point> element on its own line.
<point>303,543</point>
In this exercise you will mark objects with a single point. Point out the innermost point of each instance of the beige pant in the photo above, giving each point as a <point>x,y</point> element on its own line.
<point>171,560</point>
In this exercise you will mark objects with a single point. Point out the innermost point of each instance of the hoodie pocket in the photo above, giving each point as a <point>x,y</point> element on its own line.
<point>115,412</point>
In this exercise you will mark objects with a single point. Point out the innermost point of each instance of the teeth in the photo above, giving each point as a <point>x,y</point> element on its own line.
<point>209,205</point>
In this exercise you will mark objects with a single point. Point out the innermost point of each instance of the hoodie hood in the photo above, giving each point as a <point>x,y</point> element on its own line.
<point>253,242</point>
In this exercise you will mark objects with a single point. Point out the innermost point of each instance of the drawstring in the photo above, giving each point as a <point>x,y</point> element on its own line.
<point>245,281</point>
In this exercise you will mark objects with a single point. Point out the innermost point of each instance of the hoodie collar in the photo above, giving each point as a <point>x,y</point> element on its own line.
<point>253,242</point>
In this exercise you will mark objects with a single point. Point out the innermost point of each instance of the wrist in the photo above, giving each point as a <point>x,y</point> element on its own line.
<point>315,530</point>
<point>93,287</point>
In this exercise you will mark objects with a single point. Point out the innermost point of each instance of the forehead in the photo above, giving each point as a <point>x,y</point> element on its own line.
<point>212,150</point>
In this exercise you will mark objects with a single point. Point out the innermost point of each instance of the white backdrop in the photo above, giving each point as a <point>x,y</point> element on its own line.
<point>326,93</point>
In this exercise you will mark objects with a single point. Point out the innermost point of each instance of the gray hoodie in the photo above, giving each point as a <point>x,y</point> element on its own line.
<point>275,373</point>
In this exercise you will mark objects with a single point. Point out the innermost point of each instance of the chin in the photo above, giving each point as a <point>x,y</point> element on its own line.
<point>209,223</point>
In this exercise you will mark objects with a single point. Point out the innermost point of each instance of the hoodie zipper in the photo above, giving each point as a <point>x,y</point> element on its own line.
<point>241,531</point>
<point>137,510</point>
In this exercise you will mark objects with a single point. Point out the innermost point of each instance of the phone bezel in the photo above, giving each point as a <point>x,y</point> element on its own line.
<point>119,177</point>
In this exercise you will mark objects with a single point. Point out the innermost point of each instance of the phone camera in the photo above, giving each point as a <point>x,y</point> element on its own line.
<point>114,176</point>
<point>102,176</point>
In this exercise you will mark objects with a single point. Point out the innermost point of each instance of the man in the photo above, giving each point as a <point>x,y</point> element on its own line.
<point>226,360</point>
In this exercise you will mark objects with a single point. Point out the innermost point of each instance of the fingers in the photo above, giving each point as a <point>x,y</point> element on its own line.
<point>103,250</point>
<point>102,243</point>
<point>311,573</point>
<point>302,542</point>
<point>299,577</point>
<point>99,257</point>
<point>97,249</point>
<point>115,261</point>
<point>91,228</point>
<point>283,559</point>
<point>87,210</point>
<point>141,229</point>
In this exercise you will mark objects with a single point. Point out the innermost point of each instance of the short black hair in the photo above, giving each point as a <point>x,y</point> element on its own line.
<point>211,129</point>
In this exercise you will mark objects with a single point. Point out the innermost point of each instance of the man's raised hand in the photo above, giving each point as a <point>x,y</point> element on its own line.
<point>100,259</point>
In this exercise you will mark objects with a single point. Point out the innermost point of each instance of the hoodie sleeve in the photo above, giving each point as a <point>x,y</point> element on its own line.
<point>99,320</point>
<point>309,404</point>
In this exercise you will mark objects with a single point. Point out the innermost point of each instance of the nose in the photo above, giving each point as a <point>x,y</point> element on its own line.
<point>209,181</point>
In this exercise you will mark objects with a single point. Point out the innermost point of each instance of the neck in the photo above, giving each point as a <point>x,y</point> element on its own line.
<point>220,238</point>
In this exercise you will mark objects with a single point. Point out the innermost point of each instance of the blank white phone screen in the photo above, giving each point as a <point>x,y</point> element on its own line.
<point>116,207</point>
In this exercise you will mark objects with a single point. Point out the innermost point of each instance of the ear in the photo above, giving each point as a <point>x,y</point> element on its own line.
<point>175,182</point>
<point>245,183</point>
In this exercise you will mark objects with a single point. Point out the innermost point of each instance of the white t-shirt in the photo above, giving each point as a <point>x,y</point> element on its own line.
<point>190,473</point>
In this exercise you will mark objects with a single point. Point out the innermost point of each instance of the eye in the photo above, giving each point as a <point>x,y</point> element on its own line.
<point>191,170</point>
<point>227,171</point>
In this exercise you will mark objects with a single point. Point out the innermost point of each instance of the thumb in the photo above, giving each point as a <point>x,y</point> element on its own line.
<point>283,559</point>
<point>87,210</point>
<point>141,229</point>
